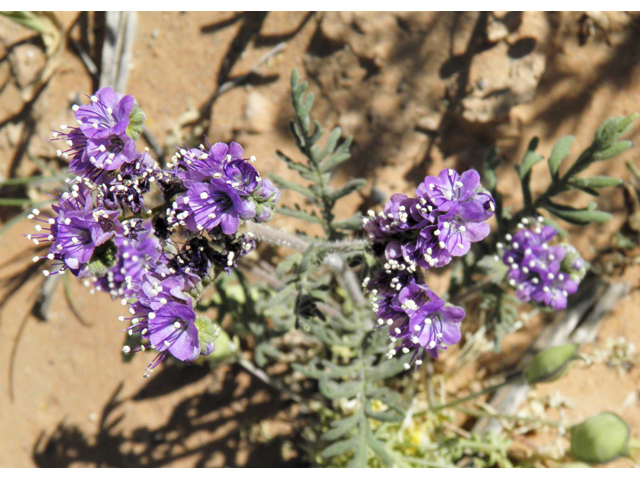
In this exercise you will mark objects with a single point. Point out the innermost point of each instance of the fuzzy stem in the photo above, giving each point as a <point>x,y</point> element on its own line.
<point>333,261</point>
<point>274,236</point>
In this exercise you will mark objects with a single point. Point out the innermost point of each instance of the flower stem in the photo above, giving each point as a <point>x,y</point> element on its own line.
<point>484,391</point>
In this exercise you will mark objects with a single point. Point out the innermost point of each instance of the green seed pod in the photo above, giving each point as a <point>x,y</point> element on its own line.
<point>600,439</point>
<point>136,122</point>
<point>551,364</point>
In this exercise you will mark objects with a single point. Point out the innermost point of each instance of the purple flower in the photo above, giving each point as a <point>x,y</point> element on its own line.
<point>419,319</point>
<point>396,225</point>
<point>172,329</point>
<point>163,315</point>
<point>452,191</point>
<point>201,165</point>
<point>77,230</point>
<point>536,268</point>
<point>204,206</point>
<point>109,152</point>
<point>107,114</point>
<point>217,188</point>
<point>448,215</point>
<point>134,258</point>
<point>131,182</point>
<point>105,137</point>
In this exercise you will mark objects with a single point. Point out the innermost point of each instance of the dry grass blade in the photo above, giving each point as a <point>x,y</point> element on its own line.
<point>116,50</point>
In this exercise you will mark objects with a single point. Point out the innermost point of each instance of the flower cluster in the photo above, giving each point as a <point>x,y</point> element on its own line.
<point>158,260</point>
<point>541,273</point>
<point>446,216</point>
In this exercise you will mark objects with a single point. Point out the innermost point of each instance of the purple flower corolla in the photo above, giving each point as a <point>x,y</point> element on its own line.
<point>394,226</point>
<point>418,318</point>
<point>198,164</point>
<point>77,230</point>
<point>130,183</point>
<point>134,258</point>
<point>218,188</point>
<point>205,205</point>
<point>536,268</point>
<point>172,329</point>
<point>107,114</point>
<point>164,316</point>
<point>450,190</point>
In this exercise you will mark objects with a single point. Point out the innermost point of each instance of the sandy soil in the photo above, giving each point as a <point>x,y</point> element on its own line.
<point>417,92</point>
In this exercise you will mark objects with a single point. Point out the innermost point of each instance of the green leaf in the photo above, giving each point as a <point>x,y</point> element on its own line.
<point>299,214</point>
<point>577,216</point>
<point>334,390</point>
<point>560,151</point>
<point>330,146</point>
<point>339,156</point>
<point>599,181</point>
<point>524,170</point>
<point>386,416</point>
<point>288,263</point>
<point>340,448</point>
<point>359,459</point>
<point>613,150</point>
<point>493,267</point>
<point>530,159</point>
<point>377,447</point>
<point>298,167</point>
<point>348,188</point>
<point>341,427</point>
<point>351,223</point>
<point>286,184</point>
<point>387,368</point>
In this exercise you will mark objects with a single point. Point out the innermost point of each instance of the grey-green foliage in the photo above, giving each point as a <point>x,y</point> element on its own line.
<point>605,145</point>
<point>320,162</point>
<point>352,365</point>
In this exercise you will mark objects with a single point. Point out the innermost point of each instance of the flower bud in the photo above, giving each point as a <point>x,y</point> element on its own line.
<point>208,332</point>
<point>551,364</point>
<point>600,439</point>
<point>266,196</point>
<point>266,191</point>
<point>573,264</point>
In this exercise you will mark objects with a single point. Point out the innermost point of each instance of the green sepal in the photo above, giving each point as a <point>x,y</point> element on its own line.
<point>600,439</point>
<point>136,122</point>
<point>208,332</point>
<point>551,364</point>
